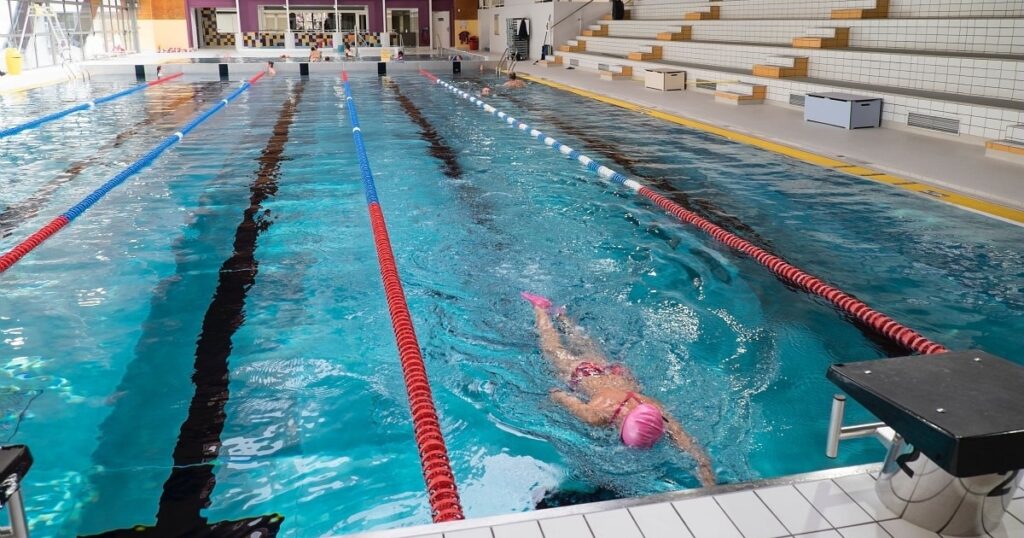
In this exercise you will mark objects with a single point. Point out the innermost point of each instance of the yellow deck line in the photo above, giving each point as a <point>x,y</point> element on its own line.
<point>939,193</point>
<point>41,84</point>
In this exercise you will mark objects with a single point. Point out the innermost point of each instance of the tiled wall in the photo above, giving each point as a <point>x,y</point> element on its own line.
<point>980,121</point>
<point>304,39</point>
<point>956,8</point>
<point>982,36</point>
<point>208,30</point>
<point>979,77</point>
<point>263,40</point>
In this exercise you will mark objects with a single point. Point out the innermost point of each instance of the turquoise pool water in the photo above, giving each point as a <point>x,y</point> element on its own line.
<point>99,327</point>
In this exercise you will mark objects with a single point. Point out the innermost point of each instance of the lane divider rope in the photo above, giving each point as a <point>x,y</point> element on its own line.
<point>32,124</point>
<point>11,257</point>
<point>787,272</point>
<point>437,472</point>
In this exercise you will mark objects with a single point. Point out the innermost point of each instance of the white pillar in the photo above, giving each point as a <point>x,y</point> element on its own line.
<point>430,8</point>
<point>384,15</point>
<point>239,42</point>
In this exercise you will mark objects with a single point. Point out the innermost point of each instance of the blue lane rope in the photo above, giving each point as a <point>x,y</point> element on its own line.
<point>32,124</point>
<point>8,259</point>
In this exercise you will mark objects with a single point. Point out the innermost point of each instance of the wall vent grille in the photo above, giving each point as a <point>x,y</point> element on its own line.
<point>935,123</point>
<point>797,99</point>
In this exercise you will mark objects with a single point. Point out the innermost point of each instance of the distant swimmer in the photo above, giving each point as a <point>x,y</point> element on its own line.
<point>314,54</point>
<point>485,91</point>
<point>514,82</point>
<point>270,68</point>
<point>614,396</point>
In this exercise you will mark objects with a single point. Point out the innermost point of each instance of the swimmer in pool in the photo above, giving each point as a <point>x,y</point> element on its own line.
<point>614,397</point>
<point>270,68</point>
<point>513,81</point>
<point>485,91</point>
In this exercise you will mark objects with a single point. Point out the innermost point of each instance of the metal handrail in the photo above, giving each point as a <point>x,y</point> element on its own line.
<point>570,15</point>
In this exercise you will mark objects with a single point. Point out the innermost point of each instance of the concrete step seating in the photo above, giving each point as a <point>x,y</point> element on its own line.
<point>919,72</point>
<point>1009,149</point>
<point>651,52</point>
<point>682,33</point>
<point>573,45</point>
<point>782,67</point>
<point>712,13</point>
<point>740,93</point>
<point>961,35</point>
<point>823,38</point>
<point>550,61</point>
<point>596,30</point>
<point>824,9</point>
<point>615,72</point>
<point>879,11</point>
<point>608,16</point>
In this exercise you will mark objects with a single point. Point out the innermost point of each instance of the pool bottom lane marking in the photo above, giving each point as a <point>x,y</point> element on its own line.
<point>11,257</point>
<point>442,491</point>
<point>187,490</point>
<point>881,323</point>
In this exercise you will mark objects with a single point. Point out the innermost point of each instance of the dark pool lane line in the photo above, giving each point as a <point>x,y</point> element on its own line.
<point>610,150</point>
<point>470,195</point>
<point>187,490</point>
<point>18,212</point>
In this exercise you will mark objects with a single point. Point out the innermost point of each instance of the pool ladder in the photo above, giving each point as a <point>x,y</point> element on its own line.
<point>507,63</point>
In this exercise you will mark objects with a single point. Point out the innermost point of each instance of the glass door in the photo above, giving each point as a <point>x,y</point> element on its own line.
<point>405,23</point>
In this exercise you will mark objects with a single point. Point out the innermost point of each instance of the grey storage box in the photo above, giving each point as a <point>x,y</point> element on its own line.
<point>843,110</point>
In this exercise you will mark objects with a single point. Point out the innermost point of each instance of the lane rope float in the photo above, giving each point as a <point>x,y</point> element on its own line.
<point>32,124</point>
<point>11,257</point>
<point>787,272</point>
<point>437,472</point>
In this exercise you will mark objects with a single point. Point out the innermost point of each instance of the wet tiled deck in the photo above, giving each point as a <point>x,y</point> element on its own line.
<point>832,504</point>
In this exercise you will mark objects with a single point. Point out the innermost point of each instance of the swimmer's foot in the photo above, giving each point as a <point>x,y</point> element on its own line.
<point>542,303</point>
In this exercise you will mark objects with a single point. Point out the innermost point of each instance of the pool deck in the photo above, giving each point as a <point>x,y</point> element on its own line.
<point>838,503</point>
<point>876,154</point>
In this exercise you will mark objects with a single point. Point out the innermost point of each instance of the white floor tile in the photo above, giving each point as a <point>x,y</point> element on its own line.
<point>526,529</point>
<point>1011,528</point>
<point>1017,509</point>
<point>903,529</point>
<point>482,532</point>
<point>430,536</point>
<point>1019,494</point>
<point>750,515</point>
<point>705,519</point>
<point>793,510</point>
<point>832,502</point>
<point>659,521</point>
<point>613,524</point>
<point>871,530</point>
<point>861,488</point>
<point>821,534</point>
<point>565,527</point>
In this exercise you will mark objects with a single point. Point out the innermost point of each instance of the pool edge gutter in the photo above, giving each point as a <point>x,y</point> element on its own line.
<point>616,504</point>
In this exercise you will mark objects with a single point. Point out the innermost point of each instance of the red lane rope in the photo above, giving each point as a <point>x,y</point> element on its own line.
<point>877,321</point>
<point>885,325</point>
<point>442,491</point>
<point>164,79</point>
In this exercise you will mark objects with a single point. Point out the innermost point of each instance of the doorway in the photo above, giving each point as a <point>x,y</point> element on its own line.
<point>405,23</point>
<point>442,30</point>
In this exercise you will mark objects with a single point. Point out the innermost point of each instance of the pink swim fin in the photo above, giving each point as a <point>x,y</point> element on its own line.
<point>542,303</point>
<point>536,300</point>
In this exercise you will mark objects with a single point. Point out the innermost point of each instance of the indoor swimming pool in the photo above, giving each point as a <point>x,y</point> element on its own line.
<point>103,326</point>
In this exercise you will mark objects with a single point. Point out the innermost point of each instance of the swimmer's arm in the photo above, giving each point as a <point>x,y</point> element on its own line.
<point>590,414</point>
<point>687,443</point>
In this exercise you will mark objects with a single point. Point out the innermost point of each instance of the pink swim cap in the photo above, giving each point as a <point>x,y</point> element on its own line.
<point>643,426</point>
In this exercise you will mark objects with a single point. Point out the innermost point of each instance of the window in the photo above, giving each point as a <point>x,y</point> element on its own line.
<point>312,19</point>
<point>497,25</point>
<point>227,21</point>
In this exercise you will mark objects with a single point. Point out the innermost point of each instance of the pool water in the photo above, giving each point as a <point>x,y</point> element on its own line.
<point>99,327</point>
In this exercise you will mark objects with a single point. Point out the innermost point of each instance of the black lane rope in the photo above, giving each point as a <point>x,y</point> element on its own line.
<point>187,490</point>
<point>13,215</point>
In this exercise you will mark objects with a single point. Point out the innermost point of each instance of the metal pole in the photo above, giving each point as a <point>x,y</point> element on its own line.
<point>430,9</point>
<point>835,425</point>
<point>16,511</point>
<point>384,19</point>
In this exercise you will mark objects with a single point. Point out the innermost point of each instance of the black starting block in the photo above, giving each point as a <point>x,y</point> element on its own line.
<point>956,457</point>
